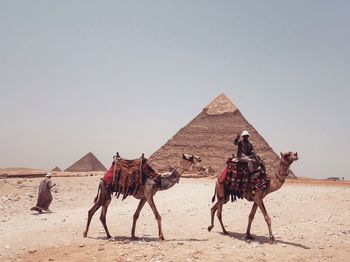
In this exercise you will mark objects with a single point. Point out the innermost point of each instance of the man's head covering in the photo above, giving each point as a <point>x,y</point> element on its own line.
<point>245,133</point>
<point>48,175</point>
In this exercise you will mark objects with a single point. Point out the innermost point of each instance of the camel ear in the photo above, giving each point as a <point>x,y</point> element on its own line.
<point>284,155</point>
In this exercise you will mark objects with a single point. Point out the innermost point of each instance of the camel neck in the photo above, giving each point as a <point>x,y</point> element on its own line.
<point>174,177</point>
<point>169,181</point>
<point>280,176</point>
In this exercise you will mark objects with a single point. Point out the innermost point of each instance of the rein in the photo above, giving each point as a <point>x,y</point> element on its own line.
<point>184,169</point>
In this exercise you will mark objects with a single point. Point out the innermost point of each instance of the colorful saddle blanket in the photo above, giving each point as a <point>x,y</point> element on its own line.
<point>238,180</point>
<point>126,176</point>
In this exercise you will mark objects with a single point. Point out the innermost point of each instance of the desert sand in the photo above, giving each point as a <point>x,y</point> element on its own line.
<point>309,220</point>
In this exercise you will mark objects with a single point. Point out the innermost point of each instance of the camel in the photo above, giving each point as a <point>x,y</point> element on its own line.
<point>276,183</point>
<point>144,194</point>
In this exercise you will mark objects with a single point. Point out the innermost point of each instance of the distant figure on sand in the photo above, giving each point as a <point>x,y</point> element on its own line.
<point>44,196</point>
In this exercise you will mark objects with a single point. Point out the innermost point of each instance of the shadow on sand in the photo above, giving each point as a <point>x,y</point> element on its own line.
<point>44,212</point>
<point>261,239</point>
<point>147,239</point>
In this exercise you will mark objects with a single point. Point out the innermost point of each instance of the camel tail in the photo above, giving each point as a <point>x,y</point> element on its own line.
<point>213,198</point>
<point>98,192</point>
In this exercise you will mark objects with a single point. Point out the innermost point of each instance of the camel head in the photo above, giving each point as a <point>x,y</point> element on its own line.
<point>289,157</point>
<point>187,160</point>
<point>192,158</point>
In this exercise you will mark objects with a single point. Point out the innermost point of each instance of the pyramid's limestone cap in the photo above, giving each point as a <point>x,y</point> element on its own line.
<point>220,105</point>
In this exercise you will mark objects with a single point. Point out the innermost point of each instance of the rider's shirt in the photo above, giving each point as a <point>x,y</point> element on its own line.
<point>244,147</point>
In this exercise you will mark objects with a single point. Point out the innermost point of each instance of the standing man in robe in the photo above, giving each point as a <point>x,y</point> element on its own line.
<point>44,195</point>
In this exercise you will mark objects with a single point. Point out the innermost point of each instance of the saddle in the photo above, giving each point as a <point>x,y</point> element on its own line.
<point>129,175</point>
<point>234,169</point>
<point>239,182</point>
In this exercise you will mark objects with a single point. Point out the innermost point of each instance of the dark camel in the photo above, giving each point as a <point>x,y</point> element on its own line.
<point>276,183</point>
<point>145,194</point>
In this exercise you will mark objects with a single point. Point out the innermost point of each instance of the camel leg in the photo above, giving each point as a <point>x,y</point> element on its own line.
<point>103,217</point>
<point>250,220</point>
<point>136,216</point>
<point>212,213</point>
<point>91,213</point>
<point>219,215</point>
<point>158,217</point>
<point>267,219</point>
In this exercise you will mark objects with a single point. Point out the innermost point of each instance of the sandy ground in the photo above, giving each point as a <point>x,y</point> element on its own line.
<point>310,222</point>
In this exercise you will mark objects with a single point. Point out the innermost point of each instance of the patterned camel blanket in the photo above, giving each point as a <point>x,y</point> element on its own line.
<point>238,181</point>
<point>126,176</point>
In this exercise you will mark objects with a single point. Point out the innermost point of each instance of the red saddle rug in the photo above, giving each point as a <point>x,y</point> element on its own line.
<point>238,181</point>
<point>126,176</point>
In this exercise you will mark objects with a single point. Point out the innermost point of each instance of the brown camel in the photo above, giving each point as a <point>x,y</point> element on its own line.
<point>276,183</point>
<point>145,194</point>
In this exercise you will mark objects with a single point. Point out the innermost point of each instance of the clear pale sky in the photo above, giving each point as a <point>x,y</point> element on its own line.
<point>106,76</point>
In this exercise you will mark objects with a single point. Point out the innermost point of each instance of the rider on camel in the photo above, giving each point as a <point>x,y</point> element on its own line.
<point>245,150</point>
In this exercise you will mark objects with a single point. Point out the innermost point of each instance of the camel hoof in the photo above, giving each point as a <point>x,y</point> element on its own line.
<point>210,228</point>
<point>85,234</point>
<point>249,237</point>
<point>161,238</point>
<point>225,232</point>
<point>272,240</point>
<point>109,236</point>
<point>134,238</point>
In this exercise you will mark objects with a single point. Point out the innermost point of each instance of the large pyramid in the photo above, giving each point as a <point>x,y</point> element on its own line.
<point>86,164</point>
<point>210,135</point>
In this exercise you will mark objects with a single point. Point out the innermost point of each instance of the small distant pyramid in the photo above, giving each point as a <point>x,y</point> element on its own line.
<point>56,169</point>
<point>210,135</point>
<point>86,164</point>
